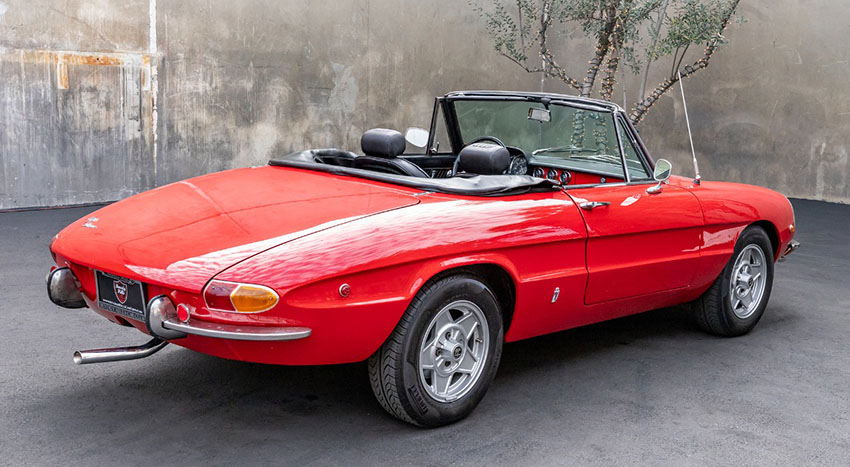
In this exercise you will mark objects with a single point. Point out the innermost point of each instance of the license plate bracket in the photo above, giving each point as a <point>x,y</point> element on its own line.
<point>120,295</point>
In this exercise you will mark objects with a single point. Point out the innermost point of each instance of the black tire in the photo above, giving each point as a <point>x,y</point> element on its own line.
<point>394,368</point>
<point>713,310</point>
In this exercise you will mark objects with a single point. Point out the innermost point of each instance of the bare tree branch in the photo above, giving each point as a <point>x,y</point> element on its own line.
<point>523,65</point>
<point>656,31</point>
<point>643,106</point>
<point>554,70</point>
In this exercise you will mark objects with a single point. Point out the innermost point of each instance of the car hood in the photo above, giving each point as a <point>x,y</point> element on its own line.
<point>181,235</point>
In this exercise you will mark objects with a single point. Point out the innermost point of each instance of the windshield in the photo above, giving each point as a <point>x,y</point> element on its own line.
<point>572,138</point>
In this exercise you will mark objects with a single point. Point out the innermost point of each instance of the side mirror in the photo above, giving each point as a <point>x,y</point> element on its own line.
<point>663,168</point>
<point>417,137</point>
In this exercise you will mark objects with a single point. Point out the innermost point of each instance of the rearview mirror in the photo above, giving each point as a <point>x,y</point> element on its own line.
<point>541,115</point>
<point>663,168</point>
<point>417,137</point>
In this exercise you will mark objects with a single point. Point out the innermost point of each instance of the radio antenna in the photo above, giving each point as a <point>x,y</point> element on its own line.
<point>697,178</point>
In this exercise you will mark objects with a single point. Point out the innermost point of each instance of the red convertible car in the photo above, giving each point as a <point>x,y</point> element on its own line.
<point>524,214</point>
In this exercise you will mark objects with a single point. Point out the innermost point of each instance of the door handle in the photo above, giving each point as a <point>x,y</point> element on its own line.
<point>588,205</point>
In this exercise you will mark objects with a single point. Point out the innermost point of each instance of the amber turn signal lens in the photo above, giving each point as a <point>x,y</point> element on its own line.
<point>253,298</point>
<point>240,298</point>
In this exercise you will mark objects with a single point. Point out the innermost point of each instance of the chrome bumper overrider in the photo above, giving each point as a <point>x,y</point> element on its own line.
<point>63,289</point>
<point>791,248</point>
<point>162,322</point>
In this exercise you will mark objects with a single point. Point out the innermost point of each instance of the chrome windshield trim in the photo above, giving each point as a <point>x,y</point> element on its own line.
<point>626,175</point>
<point>608,185</point>
<point>238,332</point>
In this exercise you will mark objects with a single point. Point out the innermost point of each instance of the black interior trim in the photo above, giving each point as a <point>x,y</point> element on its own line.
<point>339,162</point>
<point>435,161</point>
<point>395,165</point>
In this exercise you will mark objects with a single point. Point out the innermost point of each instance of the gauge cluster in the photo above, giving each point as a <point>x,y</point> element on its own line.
<point>563,177</point>
<point>567,177</point>
<point>519,165</point>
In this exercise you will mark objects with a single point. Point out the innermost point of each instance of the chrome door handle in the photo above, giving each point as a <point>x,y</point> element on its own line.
<point>588,205</point>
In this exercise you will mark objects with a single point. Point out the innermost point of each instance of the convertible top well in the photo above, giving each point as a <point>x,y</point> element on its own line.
<point>340,162</point>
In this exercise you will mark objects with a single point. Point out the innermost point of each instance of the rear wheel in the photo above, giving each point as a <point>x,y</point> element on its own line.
<point>437,364</point>
<point>737,299</point>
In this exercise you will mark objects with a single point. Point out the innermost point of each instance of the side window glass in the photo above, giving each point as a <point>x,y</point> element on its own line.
<point>633,162</point>
<point>441,143</point>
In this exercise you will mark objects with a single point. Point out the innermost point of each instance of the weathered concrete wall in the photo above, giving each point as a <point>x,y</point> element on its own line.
<point>773,108</point>
<point>237,82</point>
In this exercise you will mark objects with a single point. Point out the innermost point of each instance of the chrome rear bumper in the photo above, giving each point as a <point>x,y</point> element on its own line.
<point>162,322</point>
<point>241,333</point>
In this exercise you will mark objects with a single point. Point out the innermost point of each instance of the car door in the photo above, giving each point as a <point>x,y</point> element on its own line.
<point>639,242</point>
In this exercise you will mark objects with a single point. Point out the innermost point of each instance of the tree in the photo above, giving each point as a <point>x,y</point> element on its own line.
<point>620,29</point>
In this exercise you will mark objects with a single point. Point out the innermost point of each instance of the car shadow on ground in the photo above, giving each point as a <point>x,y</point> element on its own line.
<point>179,381</point>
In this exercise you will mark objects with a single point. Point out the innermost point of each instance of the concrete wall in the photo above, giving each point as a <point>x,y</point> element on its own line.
<point>102,99</point>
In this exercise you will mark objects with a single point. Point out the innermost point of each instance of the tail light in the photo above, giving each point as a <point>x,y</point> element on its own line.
<point>239,298</point>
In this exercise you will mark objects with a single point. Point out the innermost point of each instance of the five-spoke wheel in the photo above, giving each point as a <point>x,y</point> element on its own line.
<point>454,349</point>
<point>736,301</point>
<point>748,284</point>
<point>437,364</point>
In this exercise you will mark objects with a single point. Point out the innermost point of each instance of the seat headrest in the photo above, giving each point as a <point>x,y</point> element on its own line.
<point>381,142</point>
<point>484,159</point>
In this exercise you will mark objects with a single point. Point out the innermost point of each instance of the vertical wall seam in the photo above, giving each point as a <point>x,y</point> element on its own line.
<point>154,86</point>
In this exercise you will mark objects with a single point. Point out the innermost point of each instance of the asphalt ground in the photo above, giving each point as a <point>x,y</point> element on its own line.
<point>646,390</point>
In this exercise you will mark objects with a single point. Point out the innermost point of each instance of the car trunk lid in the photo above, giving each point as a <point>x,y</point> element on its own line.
<point>181,235</point>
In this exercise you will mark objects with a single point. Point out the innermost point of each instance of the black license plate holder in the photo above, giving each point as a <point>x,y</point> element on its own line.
<point>111,289</point>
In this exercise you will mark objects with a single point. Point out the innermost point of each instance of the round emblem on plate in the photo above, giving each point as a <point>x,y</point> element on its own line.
<point>344,290</point>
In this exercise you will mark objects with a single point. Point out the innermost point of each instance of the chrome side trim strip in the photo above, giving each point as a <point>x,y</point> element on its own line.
<point>236,332</point>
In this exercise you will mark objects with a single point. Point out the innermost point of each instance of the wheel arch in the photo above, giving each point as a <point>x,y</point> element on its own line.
<point>495,275</point>
<point>772,234</point>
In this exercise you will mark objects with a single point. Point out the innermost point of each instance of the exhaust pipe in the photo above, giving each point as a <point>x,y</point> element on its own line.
<point>117,354</point>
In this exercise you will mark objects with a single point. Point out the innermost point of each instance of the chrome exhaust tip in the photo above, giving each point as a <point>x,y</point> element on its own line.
<point>117,354</point>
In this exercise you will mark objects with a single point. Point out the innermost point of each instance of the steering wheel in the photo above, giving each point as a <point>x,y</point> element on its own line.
<point>487,138</point>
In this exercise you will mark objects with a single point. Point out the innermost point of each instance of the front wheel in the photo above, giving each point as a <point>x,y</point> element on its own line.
<point>437,364</point>
<point>737,299</point>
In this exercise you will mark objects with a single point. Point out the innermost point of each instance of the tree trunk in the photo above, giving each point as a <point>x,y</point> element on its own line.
<point>602,46</point>
<point>617,38</point>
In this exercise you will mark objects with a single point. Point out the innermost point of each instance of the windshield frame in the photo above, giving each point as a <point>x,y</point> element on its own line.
<point>619,117</point>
